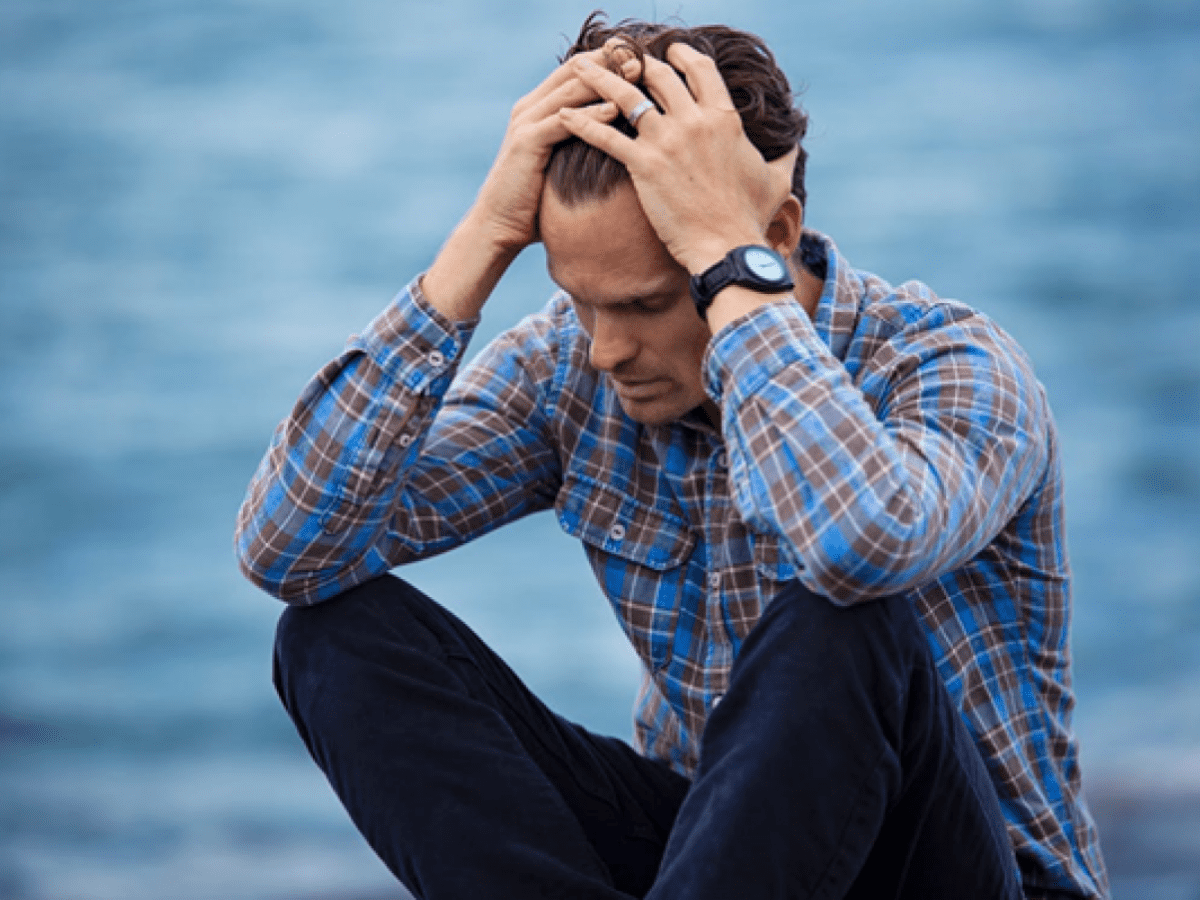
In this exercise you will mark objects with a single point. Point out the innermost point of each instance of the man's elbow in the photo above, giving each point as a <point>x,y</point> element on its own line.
<point>878,562</point>
<point>258,575</point>
<point>260,567</point>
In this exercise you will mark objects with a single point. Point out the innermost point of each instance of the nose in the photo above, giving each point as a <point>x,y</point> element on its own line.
<point>613,342</point>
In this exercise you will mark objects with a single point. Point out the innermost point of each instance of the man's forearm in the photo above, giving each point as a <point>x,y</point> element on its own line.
<point>880,485</point>
<point>316,512</point>
<point>466,271</point>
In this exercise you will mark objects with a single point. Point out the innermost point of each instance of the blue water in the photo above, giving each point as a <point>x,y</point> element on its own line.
<point>200,200</point>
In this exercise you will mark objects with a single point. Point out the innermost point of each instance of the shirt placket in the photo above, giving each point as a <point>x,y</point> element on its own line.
<point>717,514</point>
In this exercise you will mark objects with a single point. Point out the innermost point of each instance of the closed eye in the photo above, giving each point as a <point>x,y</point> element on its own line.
<point>638,305</point>
<point>651,304</point>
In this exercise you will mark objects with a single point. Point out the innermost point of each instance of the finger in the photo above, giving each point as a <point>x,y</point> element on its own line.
<point>665,86</point>
<point>613,87</point>
<point>703,77</point>
<point>552,82</point>
<point>629,68</point>
<point>554,128</point>
<point>605,111</point>
<point>570,93</point>
<point>601,136</point>
<point>620,56</point>
<point>634,116</point>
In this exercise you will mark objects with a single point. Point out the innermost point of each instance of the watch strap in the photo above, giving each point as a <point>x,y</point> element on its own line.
<point>733,269</point>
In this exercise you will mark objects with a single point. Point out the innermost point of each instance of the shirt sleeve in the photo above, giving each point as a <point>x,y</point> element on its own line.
<point>381,462</point>
<point>880,481</point>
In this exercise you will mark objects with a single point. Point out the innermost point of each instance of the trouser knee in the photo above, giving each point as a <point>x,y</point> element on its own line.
<point>885,624</point>
<point>386,609</point>
<point>335,650</point>
<point>805,639</point>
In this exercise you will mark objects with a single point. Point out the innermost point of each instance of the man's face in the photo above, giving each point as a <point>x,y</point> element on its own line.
<point>632,298</point>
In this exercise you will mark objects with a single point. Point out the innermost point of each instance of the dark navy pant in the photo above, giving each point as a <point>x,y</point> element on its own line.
<point>835,766</point>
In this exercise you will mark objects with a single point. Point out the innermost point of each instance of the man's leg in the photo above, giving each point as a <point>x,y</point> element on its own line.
<point>459,778</point>
<point>836,766</point>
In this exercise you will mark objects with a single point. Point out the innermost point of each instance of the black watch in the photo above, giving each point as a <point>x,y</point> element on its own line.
<point>753,266</point>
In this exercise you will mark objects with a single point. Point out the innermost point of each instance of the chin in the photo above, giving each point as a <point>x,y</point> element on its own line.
<point>653,413</point>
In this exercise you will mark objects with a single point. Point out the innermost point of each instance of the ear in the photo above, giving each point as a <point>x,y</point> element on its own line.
<point>786,226</point>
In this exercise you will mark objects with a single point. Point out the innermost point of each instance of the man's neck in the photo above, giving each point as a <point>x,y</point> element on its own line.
<point>808,289</point>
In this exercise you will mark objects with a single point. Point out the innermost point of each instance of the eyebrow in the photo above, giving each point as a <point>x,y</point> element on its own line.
<point>661,289</point>
<point>647,297</point>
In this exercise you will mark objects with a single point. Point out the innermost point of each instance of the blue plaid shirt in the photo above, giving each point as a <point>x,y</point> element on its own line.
<point>896,442</point>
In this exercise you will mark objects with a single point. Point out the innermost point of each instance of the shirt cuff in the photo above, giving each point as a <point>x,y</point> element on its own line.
<point>754,348</point>
<point>413,343</point>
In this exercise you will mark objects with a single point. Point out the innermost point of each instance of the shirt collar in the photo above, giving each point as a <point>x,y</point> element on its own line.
<point>837,309</point>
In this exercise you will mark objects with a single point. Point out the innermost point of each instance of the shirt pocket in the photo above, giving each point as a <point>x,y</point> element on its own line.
<point>638,553</point>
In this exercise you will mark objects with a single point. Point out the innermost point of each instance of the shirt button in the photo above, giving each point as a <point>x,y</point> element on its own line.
<point>404,440</point>
<point>722,460</point>
<point>716,700</point>
<point>436,359</point>
<point>617,532</point>
<point>714,580</point>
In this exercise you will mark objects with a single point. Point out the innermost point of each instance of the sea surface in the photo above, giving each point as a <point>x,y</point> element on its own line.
<point>199,202</point>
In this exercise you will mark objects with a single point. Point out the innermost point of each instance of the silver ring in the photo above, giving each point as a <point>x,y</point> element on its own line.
<point>638,111</point>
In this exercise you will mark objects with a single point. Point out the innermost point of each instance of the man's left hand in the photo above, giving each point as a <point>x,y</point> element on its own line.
<point>703,186</point>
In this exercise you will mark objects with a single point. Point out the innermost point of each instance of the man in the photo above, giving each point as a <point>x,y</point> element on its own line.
<point>828,513</point>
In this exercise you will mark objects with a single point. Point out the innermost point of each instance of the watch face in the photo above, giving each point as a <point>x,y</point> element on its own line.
<point>764,264</point>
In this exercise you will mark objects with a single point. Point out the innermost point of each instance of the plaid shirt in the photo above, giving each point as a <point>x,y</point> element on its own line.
<point>897,442</point>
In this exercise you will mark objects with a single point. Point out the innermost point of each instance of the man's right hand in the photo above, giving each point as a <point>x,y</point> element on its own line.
<point>503,219</point>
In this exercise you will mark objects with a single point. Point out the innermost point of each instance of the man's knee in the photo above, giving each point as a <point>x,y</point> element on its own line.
<point>302,628</point>
<point>811,667</point>
<point>369,624</point>
<point>384,606</point>
<point>819,633</point>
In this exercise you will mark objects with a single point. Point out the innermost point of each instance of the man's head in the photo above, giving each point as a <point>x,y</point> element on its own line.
<point>630,294</point>
<point>632,298</point>
<point>775,125</point>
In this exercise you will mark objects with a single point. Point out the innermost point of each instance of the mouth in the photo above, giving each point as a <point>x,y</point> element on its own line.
<point>640,390</point>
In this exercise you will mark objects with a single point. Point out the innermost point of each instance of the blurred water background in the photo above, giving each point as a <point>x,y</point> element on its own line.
<point>202,198</point>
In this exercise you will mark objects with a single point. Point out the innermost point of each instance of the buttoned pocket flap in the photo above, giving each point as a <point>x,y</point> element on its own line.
<point>621,525</point>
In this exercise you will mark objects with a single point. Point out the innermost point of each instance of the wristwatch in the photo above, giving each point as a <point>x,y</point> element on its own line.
<point>753,266</point>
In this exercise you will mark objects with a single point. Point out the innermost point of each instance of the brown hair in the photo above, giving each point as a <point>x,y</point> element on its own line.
<point>773,122</point>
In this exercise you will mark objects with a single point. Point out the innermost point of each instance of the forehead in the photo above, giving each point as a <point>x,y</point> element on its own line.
<point>605,251</point>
